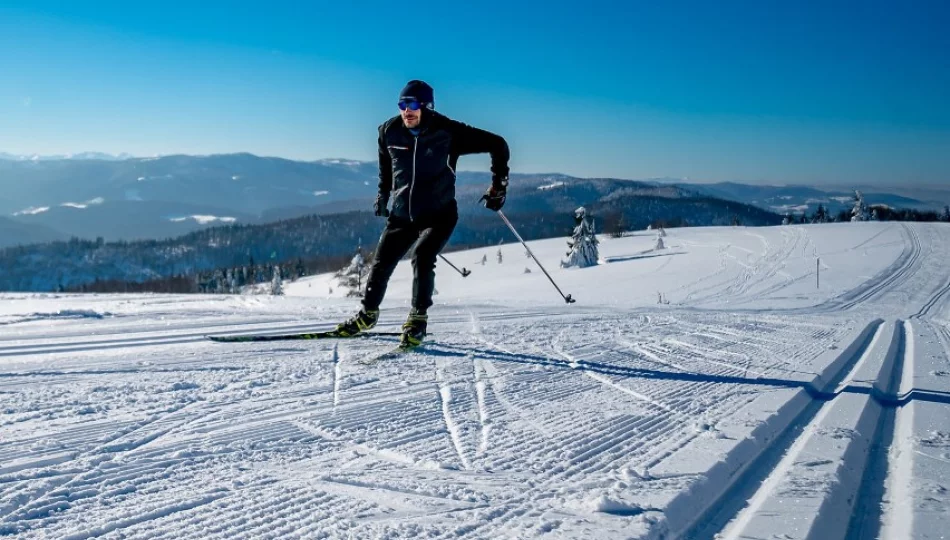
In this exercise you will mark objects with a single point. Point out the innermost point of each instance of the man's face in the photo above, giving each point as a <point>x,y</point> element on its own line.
<point>411,112</point>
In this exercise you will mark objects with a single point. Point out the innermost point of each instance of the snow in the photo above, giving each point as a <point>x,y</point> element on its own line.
<point>553,185</point>
<point>786,208</point>
<point>755,403</point>
<point>204,219</point>
<point>32,211</point>
<point>83,205</point>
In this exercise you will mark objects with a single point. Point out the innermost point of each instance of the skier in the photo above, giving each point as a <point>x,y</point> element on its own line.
<point>418,152</point>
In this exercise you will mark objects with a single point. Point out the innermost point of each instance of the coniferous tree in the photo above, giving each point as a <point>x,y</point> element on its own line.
<point>352,275</point>
<point>277,283</point>
<point>860,210</point>
<point>583,243</point>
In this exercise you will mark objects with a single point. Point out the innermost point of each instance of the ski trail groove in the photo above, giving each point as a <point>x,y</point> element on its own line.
<point>896,274</point>
<point>853,431</point>
<point>867,517</point>
<point>727,512</point>
<point>149,339</point>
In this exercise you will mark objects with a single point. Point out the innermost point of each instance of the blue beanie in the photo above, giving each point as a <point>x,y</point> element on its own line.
<point>419,91</point>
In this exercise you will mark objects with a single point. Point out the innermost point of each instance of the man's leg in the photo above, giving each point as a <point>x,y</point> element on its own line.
<point>431,242</point>
<point>397,238</point>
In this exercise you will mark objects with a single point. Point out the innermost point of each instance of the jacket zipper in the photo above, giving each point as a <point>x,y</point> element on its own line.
<point>412,183</point>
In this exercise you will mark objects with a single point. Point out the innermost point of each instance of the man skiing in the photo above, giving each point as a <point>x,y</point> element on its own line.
<point>418,152</point>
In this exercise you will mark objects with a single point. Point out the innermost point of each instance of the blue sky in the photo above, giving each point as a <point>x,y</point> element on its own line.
<point>770,92</point>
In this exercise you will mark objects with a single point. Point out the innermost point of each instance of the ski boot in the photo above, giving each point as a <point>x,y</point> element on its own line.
<point>362,321</point>
<point>414,330</point>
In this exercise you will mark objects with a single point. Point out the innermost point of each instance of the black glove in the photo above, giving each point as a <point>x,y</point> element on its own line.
<point>381,204</point>
<point>495,196</point>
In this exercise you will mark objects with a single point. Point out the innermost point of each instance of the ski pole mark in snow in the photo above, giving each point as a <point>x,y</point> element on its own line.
<point>575,363</point>
<point>337,374</point>
<point>482,410</point>
<point>445,396</point>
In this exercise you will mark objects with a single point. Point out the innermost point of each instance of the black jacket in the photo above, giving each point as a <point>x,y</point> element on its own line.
<point>419,172</point>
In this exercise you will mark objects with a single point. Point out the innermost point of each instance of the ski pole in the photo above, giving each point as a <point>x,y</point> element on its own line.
<point>567,298</point>
<point>465,272</point>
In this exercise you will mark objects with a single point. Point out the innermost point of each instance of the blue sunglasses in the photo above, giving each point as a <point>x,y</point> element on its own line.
<point>411,105</point>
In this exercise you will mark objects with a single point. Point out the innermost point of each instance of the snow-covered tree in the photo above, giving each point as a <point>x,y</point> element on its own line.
<point>860,210</point>
<point>484,259</point>
<point>276,283</point>
<point>946,214</point>
<point>231,280</point>
<point>659,243</point>
<point>499,255</point>
<point>352,276</point>
<point>787,219</point>
<point>874,214</point>
<point>583,242</point>
<point>821,215</point>
<point>661,232</point>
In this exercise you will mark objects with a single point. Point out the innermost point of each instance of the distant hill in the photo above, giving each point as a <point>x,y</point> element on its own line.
<point>95,195</point>
<point>540,206</point>
<point>798,199</point>
<point>14,233</point>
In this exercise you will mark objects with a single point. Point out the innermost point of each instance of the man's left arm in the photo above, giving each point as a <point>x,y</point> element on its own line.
<point>471,140</point>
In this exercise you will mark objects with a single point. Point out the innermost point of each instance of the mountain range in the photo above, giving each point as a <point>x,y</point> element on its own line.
<point>94,195</point>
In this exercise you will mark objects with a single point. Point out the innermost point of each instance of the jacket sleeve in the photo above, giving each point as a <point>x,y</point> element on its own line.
<point>385,165</point>
<point>471,140</point>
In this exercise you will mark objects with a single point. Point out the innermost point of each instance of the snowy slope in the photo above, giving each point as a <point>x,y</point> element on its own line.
<point>755,403</point>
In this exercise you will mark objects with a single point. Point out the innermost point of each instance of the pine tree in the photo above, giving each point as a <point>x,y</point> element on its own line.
<point>583,243</point>
<point>351,277</point>
<point>821,215</point>
<point>860,210</point>
<point>946,214</point>
<point>277,284</point>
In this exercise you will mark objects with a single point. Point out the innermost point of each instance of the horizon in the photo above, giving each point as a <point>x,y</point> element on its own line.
<point>829,185</point>
<point>776,95</point>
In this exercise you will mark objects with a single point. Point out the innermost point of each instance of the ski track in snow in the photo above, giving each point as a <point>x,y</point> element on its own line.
<point>736,411</point>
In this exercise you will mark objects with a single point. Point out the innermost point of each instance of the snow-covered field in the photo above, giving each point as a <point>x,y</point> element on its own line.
<point>755,403</point>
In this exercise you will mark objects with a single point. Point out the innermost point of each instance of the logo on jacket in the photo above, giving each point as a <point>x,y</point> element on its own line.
<point>429,152</point>
<point>394,147</point>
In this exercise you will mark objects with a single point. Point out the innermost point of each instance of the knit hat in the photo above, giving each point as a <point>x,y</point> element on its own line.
<point>419,91</point>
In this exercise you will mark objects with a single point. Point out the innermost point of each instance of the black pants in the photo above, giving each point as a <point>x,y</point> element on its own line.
<point>394,243</point>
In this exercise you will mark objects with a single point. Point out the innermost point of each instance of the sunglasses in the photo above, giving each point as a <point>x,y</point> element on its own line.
<point>411,105</point>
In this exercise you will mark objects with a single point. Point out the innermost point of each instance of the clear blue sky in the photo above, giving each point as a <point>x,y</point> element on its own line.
<point>756,91</point>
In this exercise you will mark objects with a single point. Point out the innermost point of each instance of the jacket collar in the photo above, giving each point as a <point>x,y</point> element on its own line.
<point>430,119</point>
